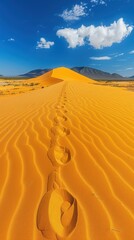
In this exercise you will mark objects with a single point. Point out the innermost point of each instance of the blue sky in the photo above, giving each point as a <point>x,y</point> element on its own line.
<point>49,34</point>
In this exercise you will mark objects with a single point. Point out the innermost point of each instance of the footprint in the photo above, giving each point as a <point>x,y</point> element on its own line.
<point>57,214</point>
<point>60,119</point>
<point>62,131</point>
<point>65,111</point>
<point>42,220</point>
<point>59,155</point>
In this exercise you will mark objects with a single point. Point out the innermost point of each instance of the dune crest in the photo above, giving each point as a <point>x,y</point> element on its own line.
<point>67,161</point>
<point>68,75</point>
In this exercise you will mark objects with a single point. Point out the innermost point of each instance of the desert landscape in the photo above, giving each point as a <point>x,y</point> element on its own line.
<point>66,158</point>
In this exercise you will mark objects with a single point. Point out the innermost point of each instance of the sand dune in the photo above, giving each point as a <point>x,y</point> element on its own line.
<point>67,161</point>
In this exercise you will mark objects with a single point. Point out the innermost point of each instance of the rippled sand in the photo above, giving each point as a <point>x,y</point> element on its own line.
<point>67,161</point>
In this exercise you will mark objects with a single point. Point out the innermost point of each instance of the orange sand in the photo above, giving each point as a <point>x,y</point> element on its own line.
<point>67,161</point>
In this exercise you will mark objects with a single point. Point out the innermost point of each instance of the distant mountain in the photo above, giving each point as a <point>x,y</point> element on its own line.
<point>132,77</point>
<point>97,74</point>
<point>35,73</point>
<point>86,71</point>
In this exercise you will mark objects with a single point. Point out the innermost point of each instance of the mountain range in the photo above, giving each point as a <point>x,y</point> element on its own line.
<point>97,74</point>
<point>86,71</point>
<point>35,73</point>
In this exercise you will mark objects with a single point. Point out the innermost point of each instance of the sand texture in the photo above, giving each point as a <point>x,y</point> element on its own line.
<point>67,160</point>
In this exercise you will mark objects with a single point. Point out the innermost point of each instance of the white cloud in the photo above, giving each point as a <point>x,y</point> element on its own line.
<point>94,2</point>
<point>78,10</point>
<point>101,58</point>
<point>132,52</point>
<point>98,37</point>
<point>72,36</point>
<point>102,2</point>
<point>44,44</point>
<point>98,2</point>
<point>11,40</point>
<point>130,68</point>
<point>119,55</point>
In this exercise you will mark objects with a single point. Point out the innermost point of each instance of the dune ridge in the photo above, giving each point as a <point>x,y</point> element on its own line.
<point>67,161</point>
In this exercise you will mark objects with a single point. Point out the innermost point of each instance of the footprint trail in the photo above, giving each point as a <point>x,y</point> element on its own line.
<point>57,213</point>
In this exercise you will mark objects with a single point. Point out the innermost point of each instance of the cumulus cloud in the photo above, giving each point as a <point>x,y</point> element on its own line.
<point>44,44</point>
<point>132,52</point>
<point>11,40</point>
<point>98,37</point>
<point>101,58</point>
<point>74,37</point>
<point>78,10</point>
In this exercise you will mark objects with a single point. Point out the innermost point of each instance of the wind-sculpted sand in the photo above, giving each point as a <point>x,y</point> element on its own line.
<point>67,161</point>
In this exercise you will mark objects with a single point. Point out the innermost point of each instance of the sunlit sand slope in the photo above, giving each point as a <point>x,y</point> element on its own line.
<point>67,162</point>
<point>68,75</point>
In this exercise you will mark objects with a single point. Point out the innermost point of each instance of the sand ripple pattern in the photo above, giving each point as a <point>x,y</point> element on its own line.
<point>67,163</point>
